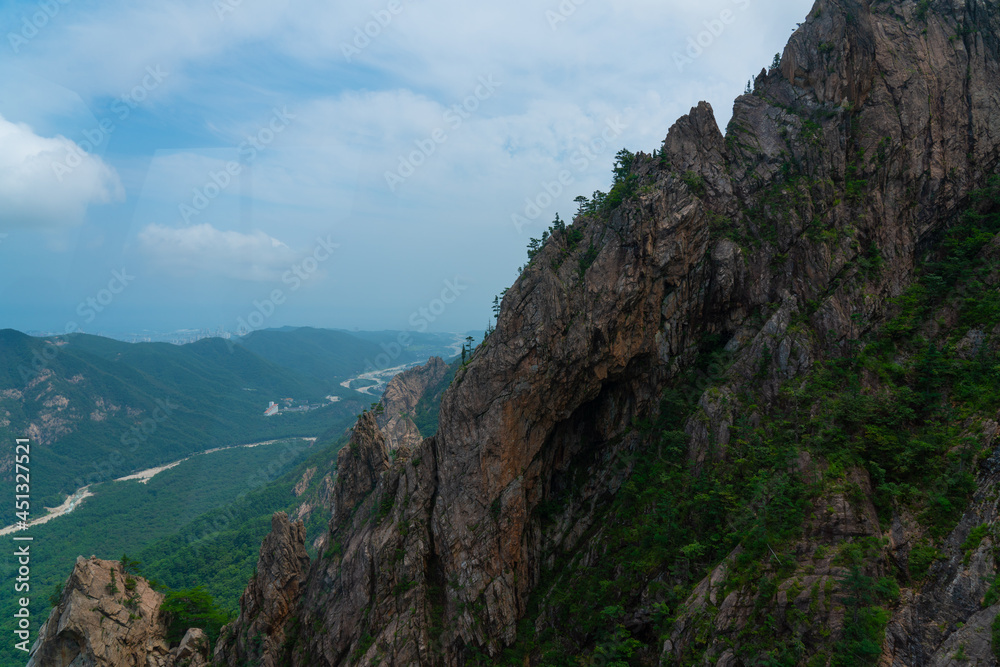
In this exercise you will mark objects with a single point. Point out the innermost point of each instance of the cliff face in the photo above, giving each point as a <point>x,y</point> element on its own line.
<point>269,599</point>
<point>777,247</point>
<point>393,419</point>
<point>107,619</point>
<point>400,400</point>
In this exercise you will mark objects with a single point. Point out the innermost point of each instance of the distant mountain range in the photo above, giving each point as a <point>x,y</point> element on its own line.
<point>97,408</point>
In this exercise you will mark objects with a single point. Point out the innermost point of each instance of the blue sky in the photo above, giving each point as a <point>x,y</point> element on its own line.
<point>322,164</point>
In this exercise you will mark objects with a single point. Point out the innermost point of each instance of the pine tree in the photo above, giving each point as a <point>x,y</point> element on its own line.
<point>558,225</point>
<point>533,247</point>
<point>623,165</point>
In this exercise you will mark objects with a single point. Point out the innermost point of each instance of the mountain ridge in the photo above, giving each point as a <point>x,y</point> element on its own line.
<point>742,411</point>
<point>836,163</point>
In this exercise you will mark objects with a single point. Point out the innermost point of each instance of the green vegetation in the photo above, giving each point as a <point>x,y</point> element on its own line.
<point>316,353</point>
<point>425,416</point>
<point>219,549</point>
<point>922,7</point>
<point>128,565</point>
<point>906,426</point>
<point>666,515</point>
<point>694,182</point>
<point>864,619</point>
<point>199,523</point>
<point>56,595</point>
<point>123,407</point>
<point>624,186</point>
<point>995,636</point>
<point>972,542</point>
<point>192,608</point>
<point>922,557</point>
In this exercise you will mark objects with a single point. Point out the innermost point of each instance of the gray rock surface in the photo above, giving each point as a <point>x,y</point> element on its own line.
<point>105,620</point>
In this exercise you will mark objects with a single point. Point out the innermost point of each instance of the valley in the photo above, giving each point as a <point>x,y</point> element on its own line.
<point>215,466</point>
<point>143,476</point>
<point>131,516</point>
<point>372,383</point>
<point>101,409</point>
<point>71,503</point>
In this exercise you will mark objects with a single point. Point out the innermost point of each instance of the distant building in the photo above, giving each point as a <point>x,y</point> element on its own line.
<point>272,409</point>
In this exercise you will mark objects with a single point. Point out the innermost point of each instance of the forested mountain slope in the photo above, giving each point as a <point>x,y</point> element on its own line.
<point>98,409</point>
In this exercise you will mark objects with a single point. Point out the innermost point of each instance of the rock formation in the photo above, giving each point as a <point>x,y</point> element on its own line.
<point>393,418</point>
<point>786,240</point>
<point>400,400</point>
<point>107,619</point>
<point>267,603</point>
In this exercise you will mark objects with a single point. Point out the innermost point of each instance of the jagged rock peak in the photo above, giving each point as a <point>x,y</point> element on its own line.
<point>867,137</point>
<point>393,415</point>
<point>400,399</point>
<point>107,619</point>
<point>359,465</point>
<point>269,598</point>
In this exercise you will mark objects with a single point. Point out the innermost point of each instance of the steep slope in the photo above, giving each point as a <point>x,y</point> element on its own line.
<point>273,592</point>
<point>400,400</point>
<point>106,619</point>
<point>393,417</point>
<point>698,329</point>
<point>380,436</point>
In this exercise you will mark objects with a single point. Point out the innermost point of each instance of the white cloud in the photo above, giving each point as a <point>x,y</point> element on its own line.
<point>326,173</point>
<point>204,250</point>
<point>49,183</point>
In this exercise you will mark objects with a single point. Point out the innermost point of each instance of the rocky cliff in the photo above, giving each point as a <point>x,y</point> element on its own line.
<point>400,400</point>
<point>107,619</point>
<point>393,419</point>
<point>738,413</point>
<point>270,597</point>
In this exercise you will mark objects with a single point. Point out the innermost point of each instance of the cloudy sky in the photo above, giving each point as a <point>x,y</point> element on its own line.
<point>184,164</point>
